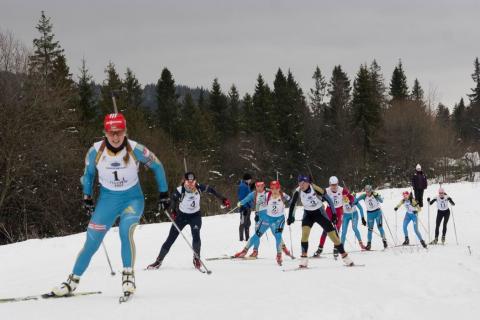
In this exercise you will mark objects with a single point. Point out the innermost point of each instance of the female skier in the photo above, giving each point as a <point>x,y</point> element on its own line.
<point>412,207</point>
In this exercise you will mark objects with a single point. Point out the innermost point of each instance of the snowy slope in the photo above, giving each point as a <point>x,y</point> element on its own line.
<point>400,283</point>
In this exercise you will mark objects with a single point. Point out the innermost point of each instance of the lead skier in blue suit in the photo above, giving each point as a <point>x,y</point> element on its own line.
<point>116,159</point>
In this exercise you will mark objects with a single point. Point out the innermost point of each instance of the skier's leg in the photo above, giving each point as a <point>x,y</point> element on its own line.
<point>379,220</point>
<point>445,221</point>
<point>438,221</point>
<point>370,224</point>
<point>262,226</point>
<point>414,219</point>
<point>328,227</point>
<point>346,219</point>
<point>323,237</point>
<point>277,229</point>
<point>102,219</point>
<point>406,221</point>
<point>307,224</point>
<point>247,223</point>
<point>195,222</point>
<point>181,222</point>
<point>128,221</point>
<point>242,223</point>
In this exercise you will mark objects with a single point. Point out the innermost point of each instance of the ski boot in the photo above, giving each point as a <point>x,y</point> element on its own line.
<point>335,253</point>
<point>406,242</point>
<point>346,259</point>
<point>369,246</point>
<point>318,252</point>
<point>443,240</point>
<point>362,246</point>
<point>128,281</point>
<point>240,254</point>
<point>422,242</point>
<point>154,266</point>
<point>434,241</point>
<point>196,263</point>
<point>254,254</point>
<point>279,259</point>
<point>385,244</point>
<point>303,261</point>
<point>286,251</point>
<point>66,288</point>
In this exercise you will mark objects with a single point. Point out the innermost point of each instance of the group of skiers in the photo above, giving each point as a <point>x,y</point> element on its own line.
<point>116,160</point>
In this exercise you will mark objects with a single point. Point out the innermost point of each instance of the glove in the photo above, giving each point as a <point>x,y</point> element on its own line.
<point>290,220</point>
<point>163,201</point>
<point>428,199</point>
<point>334,219</point>
<point>239,204</point>
<point>257,218</point>
<point>395,209</point>
<point>226,203</point>
<point>363,221</point>
<point>173,215</point>
<point>88,205</point>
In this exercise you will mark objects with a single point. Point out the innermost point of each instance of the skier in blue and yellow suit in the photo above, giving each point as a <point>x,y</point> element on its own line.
<point>116,159</point>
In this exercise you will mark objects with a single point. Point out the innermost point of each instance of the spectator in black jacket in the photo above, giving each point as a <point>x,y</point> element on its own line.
<point>419,184</point>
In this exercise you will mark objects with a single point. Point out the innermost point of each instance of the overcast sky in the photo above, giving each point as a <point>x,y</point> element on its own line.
<point>235,40</point>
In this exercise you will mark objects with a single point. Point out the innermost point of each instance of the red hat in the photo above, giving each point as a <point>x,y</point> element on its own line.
<point>406,193</point>
<point>275,184</point>
<point>114,121</point>
<point>259,184</point>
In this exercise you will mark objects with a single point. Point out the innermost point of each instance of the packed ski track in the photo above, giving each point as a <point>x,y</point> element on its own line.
<point>442,282</point>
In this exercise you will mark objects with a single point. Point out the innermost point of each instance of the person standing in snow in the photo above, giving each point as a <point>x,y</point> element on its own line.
<point>312,197</point>
<point>350,213</point>
<point>419,184</point>
<point>243,191</point>
<point>272,216</point>
<point>259,199</point>
<point>336,193</point>
<point>374,214</point>
<point>186,201</point>
<point>443,213</point>
<point>412,207</point>
<point>116,159</point>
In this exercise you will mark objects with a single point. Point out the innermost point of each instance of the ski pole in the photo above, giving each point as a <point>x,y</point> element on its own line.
<point>186,240</point>
<point>454,227</point>
<point>429,240</point>
<point>291,241</point>
<point>232,210</point>
<point>389,230</point>
<point>108,259</point>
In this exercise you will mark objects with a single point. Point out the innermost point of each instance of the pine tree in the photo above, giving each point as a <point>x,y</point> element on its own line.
<point>112,85</point>
<point>218,107</point>
<point>262,108</point>
<point>318,92</point>
<point>167,105</point>
<point>398,84</point>
<point>378,83</point>
<point>339,91</point>
<point>417,92</point>
<point>366,110</point>
<point>48,60</point>
<point>133,90</point>
<point>459,116</point>
<point>234,112</point>
<point>443,115</point>
<point>475,95</point>
<point>86,95</point>
<point>247,114</point>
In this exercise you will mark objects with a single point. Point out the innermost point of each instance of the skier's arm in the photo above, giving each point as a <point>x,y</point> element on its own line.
<point>89,173</point>
<point>293,204</point>
<point>451,200</point>
<point>318,190</point>
<point>148,158</point>
<point>360,208</point>
<point>416,206</point>
<point>351,198</point>
<point>329,200</point>
<point>378,197</point>
<point>176,196</point>
<point>247,199</point>
<point>399,205</point>
<point>208,189</point>
<point>433,200</point>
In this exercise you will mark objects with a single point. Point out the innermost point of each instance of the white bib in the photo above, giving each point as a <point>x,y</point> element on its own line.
<point>190,202</point>
<point>336,197</point>
<point>347,208</point>
<point>372,203</point>
<point>442,204</point>
<point>310,200</point>
<point>409,206</point>
<point>261,201</point>
<point>275,207</point>
<point>113,173</point>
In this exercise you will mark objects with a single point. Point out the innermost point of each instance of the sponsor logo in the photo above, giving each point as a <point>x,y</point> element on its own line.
<point>115,164</point>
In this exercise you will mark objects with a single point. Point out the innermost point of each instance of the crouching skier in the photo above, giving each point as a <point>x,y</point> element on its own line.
<point>311,197</point>
<point>259,199</point>
<point>374,214</point>
<point>187,198</point>
<point>272,217</point>
<point>116,159</point>
<point>412,207</point>
<point>443,213</point>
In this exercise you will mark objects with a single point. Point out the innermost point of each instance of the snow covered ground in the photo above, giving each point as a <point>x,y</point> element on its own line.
<point>400,283</point>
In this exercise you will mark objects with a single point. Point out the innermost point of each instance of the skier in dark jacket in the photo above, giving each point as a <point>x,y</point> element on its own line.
<point>244,189</point>
<point>419,184</point>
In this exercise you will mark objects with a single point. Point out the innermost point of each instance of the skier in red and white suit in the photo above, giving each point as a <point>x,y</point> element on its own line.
<point>337,194</point>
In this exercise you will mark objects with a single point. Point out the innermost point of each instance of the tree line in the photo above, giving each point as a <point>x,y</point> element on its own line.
<point>361,128</point>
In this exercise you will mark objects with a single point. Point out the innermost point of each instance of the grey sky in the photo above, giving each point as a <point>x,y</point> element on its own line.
<point>235,40</point>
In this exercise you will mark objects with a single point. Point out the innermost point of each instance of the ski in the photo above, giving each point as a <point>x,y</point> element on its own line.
<point>226,257</point>
<point>49,295</point>
<point>125,298</point>
<point>298,269</point>
<point>354,265</point>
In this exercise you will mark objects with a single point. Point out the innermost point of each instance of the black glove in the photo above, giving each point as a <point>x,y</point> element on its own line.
<point>163,201</point>
<point>88,205</point>
<point>395,209</point>
<point>428,199</point>
<point>334,219</point>
<point>363,221</point>
<point>257,218</point>
<point>290,220</point>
